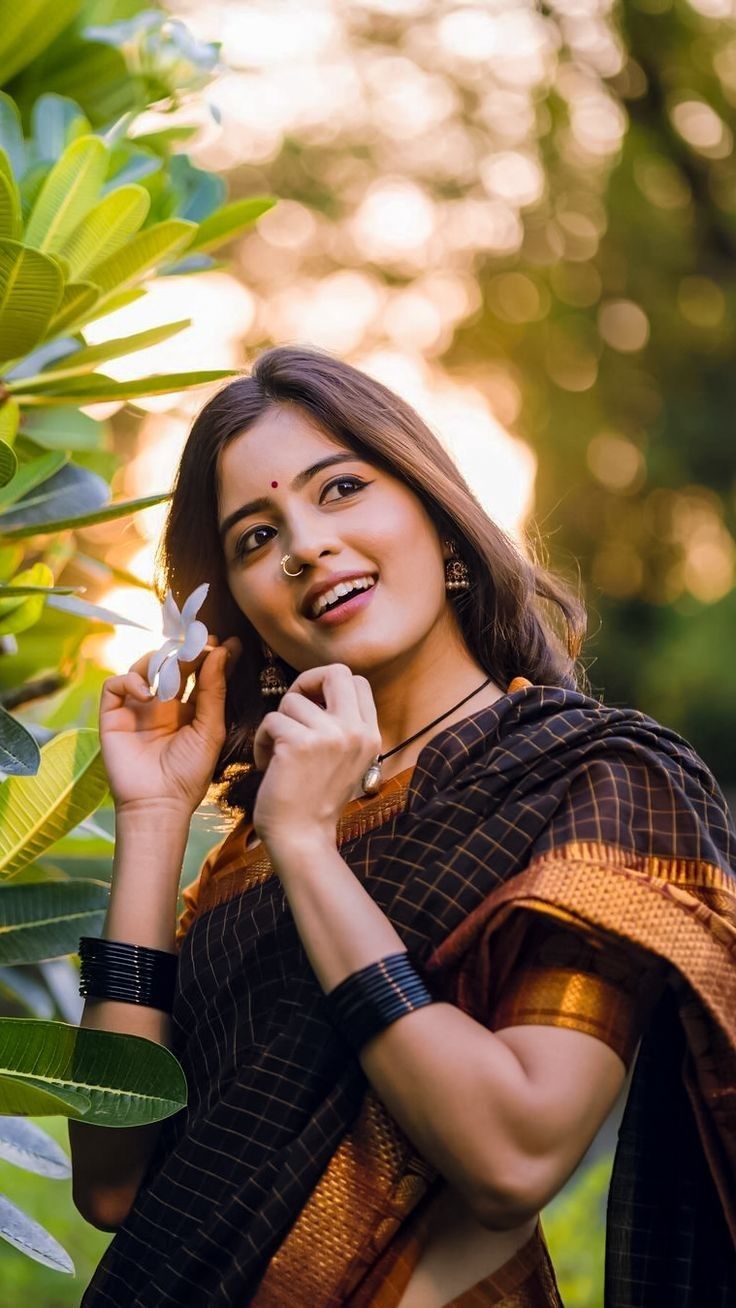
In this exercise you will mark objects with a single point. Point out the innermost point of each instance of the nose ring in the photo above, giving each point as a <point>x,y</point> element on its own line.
<point>286,570</point>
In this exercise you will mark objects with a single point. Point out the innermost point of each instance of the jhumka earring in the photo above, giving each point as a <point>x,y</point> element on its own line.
<point>271,680</point>
<point>457,576</point>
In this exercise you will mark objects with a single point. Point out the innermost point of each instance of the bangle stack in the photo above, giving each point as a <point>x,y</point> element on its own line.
<point>131,974</point>
<point>371,999</point>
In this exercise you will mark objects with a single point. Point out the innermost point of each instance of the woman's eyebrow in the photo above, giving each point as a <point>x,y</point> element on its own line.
<point>301,479</point>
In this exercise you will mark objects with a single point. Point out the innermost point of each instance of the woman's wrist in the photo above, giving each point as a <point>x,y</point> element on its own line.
<point>153,813</point>
<point>296,853</point>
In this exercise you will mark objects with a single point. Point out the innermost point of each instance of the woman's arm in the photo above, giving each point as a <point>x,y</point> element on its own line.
<point>505,1117</point>
<point>109,1162</point>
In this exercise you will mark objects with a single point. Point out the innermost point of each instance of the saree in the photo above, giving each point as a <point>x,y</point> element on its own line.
<point>284,1181</point>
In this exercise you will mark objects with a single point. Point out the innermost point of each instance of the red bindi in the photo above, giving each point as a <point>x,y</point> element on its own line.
<point>274,484</point>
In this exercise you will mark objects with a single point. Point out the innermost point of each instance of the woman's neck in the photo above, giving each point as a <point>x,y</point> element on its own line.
<point>411,702</point>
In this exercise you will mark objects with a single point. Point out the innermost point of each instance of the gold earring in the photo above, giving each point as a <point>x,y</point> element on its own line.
<point>457,575</point>
<point>271,680</point>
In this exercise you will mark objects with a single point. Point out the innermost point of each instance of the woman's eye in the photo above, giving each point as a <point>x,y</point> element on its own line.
<point>341,481</point>
<point>241,545</point>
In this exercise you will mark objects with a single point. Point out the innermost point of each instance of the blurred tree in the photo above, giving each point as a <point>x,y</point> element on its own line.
<point>541,201</point>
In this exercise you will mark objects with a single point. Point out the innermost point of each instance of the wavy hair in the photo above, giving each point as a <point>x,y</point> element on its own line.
<point>517,619</point>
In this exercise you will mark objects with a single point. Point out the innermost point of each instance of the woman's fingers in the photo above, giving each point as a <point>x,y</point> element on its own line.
<point>115,690</point>
<point>274,727</point>
<point>345,693</point>
<point>208,697</point>
<point>334,683</point>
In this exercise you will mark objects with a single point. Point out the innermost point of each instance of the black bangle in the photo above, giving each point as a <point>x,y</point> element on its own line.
<point>369,1000</point>
<point>131,974</point>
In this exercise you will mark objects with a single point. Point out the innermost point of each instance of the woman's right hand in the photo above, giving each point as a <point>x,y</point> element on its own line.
<point>162,753</point>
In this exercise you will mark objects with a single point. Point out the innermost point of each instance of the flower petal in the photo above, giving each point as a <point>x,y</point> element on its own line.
<point>194,642</point>
<point>169,678</point>
<point>193,604</point>
<point>172,616</point>
<point>156,659</point>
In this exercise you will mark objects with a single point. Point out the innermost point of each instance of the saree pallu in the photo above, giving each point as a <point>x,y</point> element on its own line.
<point>285,1182</point>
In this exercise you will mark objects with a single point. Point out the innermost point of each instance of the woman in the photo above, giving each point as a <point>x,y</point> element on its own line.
<point>459,897</point>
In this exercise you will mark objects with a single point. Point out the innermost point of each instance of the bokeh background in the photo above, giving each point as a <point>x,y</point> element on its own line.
<point>523,218</point>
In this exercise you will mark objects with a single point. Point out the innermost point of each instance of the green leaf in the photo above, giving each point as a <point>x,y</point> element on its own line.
<point>19,752</point>
<point>118,510</point>
<point>31,474</point>
<point>31,1238</point>
<point>28,28</point>
<point>25,1145</point>
<point>163,140</point>
<point>229,221</point>
<point>36,590</point>
<point>66,429</point>
<point>33,1096</point>
<point>11,135</point>
<point>30,294</point>
<point>11,557</point>
<point>9,420</point>
<point>18,613</point>
<point>71,491</point>
<point>141,254</point>
<point>36,811</point>
<point>76,302</point>
<point>105,569</point>
<point>85,360</point>
<point>68,193</point>
<point>106,228</point>
<point>45,920</point>
<point>42,357</point>
<point>112,303</point>
<point>8,463</point>
<point>125,1080</point>
<point>55,122</point>
<point>11,218</point>
<point>82,609</point>
<point>97,388</point>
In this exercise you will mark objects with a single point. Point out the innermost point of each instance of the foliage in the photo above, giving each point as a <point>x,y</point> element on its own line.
<point>540,201</point>
<point>575,1227</point>
<point>89,213</point>
<point>52,1204</point>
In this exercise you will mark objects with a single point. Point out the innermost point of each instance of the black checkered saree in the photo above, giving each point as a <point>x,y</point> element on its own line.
<point>545,802</point>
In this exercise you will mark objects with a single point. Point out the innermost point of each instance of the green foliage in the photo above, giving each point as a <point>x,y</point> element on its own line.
<point>574,1227</point>
<point>51,1202</point>
<point>88,216</point>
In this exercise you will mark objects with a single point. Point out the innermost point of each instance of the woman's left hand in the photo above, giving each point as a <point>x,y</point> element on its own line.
<point>313,758</point>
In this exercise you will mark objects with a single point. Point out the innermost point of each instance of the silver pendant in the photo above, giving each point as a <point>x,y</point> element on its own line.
<point>372,777</point>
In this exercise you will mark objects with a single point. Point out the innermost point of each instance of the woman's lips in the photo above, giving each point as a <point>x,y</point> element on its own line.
<point>344,612</point>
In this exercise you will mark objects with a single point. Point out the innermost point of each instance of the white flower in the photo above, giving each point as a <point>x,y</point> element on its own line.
<point>186,638</point>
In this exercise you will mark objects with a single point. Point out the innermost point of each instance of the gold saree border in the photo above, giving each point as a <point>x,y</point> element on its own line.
<point>556,996</point>
<point>658,904</point>
<point>231,869</point>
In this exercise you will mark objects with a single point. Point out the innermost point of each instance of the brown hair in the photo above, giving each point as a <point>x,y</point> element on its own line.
<point>516,618</point>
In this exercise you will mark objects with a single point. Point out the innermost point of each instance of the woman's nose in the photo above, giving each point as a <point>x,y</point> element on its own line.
<point>308,541</point>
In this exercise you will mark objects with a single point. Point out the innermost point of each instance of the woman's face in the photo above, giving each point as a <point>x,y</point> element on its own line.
<point>348,518</point>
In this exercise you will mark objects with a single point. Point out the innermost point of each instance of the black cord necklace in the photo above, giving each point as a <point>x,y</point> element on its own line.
<point>372,776</point>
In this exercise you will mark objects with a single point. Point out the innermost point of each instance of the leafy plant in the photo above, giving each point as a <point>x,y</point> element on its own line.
<point>89,213</point>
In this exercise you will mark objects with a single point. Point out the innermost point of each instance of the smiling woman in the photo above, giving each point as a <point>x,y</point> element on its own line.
<point>300,414</point>
<point>406,1002</point>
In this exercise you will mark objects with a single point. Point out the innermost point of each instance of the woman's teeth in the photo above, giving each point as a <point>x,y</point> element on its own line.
<point>342,588</point>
